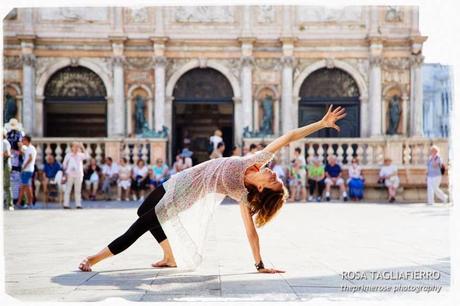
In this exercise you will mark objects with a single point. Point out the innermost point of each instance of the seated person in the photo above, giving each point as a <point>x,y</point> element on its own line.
<point>389,174</point>
<point>50,170</point>
<point>91,177</point>
<point>124,179</point>
<point>110,172</point>
<point>295,182</point>
<point>355,181</point>
<point>316,176</point>
<point>140,179</point>
<point>334,178</point>
<point>160,172</point>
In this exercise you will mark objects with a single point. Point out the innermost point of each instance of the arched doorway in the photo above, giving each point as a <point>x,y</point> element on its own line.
<point>202,103</point>
<point>330,86</point>
<point>75,104</point>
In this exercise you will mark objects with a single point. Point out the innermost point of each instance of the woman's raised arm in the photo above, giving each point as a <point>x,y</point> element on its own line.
<point>328,121</point>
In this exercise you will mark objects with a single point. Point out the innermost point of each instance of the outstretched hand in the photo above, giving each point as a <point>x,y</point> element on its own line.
<point>265,270</point>
<point>332,116</point>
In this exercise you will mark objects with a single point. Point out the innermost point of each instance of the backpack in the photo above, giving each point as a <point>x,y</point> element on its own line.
<point>210,147</point>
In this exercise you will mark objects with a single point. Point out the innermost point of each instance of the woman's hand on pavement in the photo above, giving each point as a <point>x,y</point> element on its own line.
<point>265,270</point>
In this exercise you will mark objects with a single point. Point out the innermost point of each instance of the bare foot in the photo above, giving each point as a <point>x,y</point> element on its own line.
<point>165,263</point>
<point>85,266</point>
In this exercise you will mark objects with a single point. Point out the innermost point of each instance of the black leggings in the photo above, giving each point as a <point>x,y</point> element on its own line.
<point>147,221</point>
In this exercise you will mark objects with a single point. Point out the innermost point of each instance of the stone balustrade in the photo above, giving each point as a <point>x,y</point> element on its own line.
<point>406,152</point>
<point>132,149</point>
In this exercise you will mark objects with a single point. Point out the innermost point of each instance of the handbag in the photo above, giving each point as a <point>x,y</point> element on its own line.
<point>443,169</point>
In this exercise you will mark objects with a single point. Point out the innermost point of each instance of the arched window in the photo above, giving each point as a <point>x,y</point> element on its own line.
<point>75,104</point>
<point>330,86</point>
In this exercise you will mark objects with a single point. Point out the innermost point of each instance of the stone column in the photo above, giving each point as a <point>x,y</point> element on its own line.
<point>364,104</point>
<point>416,103</point>
<point>375,96</point>
<point>118,112</point>
<point>246,95</point>
<point>160,87</point>
<point>118,107</point>
<point>28,83</point>
<point>286,96</point>
<point>405,112</point>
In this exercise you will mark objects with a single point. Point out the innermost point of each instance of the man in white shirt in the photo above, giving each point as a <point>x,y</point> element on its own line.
<point>27,171</point>
<point>110,172</point>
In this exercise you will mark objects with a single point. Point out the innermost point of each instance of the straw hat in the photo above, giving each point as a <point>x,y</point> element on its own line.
<point>13,124</point>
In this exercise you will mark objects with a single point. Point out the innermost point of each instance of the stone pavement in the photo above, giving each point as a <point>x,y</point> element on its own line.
<point>315,243</point>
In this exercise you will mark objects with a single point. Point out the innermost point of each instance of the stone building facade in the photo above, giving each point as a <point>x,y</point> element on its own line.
<point>80,71</point>
<point>437,100</point>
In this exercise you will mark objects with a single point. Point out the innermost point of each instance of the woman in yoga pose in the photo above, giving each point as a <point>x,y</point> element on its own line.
<point>178,212</point>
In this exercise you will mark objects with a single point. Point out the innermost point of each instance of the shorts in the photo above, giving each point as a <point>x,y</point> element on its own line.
<point>125,184</point>
<point>392,182</point>
<point>339,181</point>
<point>26,177</point>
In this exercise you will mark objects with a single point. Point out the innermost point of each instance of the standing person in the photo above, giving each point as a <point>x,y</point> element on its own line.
<point>110,174</point>
<point>302,173</point>
<point>334,178</point>
<point>91,178</point>
<point>28,167</point>
<point>294,180</point>
<point>218,152</point>
<point>355,181</point>
<point>236,151</point>
<point>389,173</point>
<point>14,137</point>
<point>434,176</point>
<point>160,172</point>
<point>73,169</point>
<point>124,179</point>
<point>186,155</point>
<point>216,139</point>
<point>7,196</point>
<point>279,170</point>
<point>50,170</point>
<point>139,179</point>
<point>316,176</point>
<point>252,149</point>
<point>180,210</point>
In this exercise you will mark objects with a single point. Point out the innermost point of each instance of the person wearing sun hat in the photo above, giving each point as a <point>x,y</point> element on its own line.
<point>14,136</point>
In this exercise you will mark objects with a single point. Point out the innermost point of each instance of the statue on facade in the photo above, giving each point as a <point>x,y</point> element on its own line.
<point>148,133</point>
<point>394,111</point>
<point>267,106</point>
<point>10,108</point>
<point>140,114</point>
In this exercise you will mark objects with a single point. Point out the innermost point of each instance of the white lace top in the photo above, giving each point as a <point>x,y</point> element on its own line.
<point>191,197</point>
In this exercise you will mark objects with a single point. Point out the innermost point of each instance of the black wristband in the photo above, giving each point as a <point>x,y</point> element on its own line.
<point>259,265</point>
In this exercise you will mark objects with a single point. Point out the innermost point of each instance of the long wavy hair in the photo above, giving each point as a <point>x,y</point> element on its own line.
<point>265,204</point>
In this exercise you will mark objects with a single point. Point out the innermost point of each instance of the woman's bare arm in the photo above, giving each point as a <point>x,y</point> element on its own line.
<point>328,121</point>
<point>253,238</point>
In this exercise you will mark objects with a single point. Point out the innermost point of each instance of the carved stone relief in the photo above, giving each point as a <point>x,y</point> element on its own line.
<point>266,14</point>
<point>204,14</point>
<point>136,15</point>
<point>396,70</point>
<point>74,14</point>
<point>321,14</point>
<point>394,14</point>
